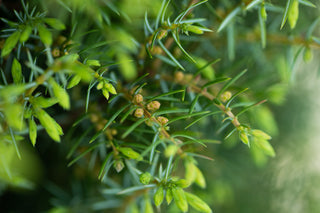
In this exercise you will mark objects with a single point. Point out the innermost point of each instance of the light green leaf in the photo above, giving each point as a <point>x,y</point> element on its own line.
<point>60,93</point>
<point>51,126</point>
<point>55,23</point>
<point>229,18</point>
<point>197,203</point>
<point>10,43</point>
<point>26,33</point>
<point>16,71</point>
<point>45,35</point>
<point>32,131</point>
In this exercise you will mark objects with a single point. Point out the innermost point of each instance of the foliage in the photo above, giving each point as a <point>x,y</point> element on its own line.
<point>139,92</point>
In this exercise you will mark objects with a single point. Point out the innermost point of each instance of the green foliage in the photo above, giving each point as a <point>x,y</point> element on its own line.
<point>137,95</point>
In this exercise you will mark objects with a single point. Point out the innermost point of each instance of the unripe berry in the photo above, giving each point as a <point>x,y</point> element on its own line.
<point>138,98</point>
<point>162,120</point>
<point>178,76</point>
<point>153,105</point>
<point>224,97</point>
<point>138,113</point>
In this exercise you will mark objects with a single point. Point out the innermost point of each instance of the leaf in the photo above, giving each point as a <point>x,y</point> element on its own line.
<point>130,153</point>
<point>193,103</point>
<point>32,131</point>
<point>293,13</point>
<point>10,43</point>
<point>229,18</point>
<point>164,94</point>
<point>55,23</point>
<point>234,96</point>
<point>13,114</point>
<point>217,80</point>
<point>286,12</point>
<point>265,146</point>
<point>43,102</point>
<point>14,143</point>
<point>115,115</point>
<point>103,167</point>
<point>227,85</point>
<point>186,116</point>
<point>180,46</point>
<point>75,80</point>
<point>133,126</point>
<point>158,196</point>
<point>252,4</point>
<point>45,35</point>
<point>197,203</point>
<point>170,55</point>
<point>26,33</point>
<point>60,93</point>
<point>263,33</point>
<point>182,15</point>
<point>83,154</point>
<point>16,72</point>
<point>51,126</point>
<point>307,3</point>
<point>180,198</point>
<point>135,188</point>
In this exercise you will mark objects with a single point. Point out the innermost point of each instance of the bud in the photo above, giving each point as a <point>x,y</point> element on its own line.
<point>130,153</point>
<point>16,72</point>
<point>153,105</point>
<point>169,196</point>
<point>263,12</point>
<point>148,206</point>
<point>178,76</point>
<point>60,93</point>
<point>114,132</point>
<point>137,99</point>
<point>265,146</point>
<point>100,85</point>
<point>200,180</point>
<point>197,203</point>
<point>162,34</point>
<point>32,131</point>
<point>110,88</point>
<point>145,178</point>
<point>307,56</point>
<point>45,35</point>
<point>293,13</point>
<point>93,63</point>
<point>244,137</point>
<point>105,93</point>
<point>158,196</point>
<point>55,52</point>
<point>183,183</point>
<point>180,199</point>
<point>224,97</point>
<point>138,113</point>
<point>190,174</point>
<point>162,120</point>
<point>10,43</point>
<point>171,150</point>
<point>26,33</point>
<point>55,23</point>
<point>149,122</point>
<point>118,165</point>
<point>194,29</point>
<point>260,134</point>
<point>75,80</point>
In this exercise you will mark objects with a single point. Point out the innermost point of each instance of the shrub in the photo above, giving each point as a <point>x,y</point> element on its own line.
<point>138,93</point>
